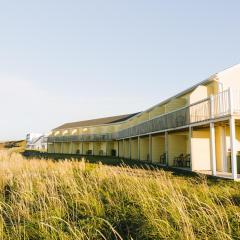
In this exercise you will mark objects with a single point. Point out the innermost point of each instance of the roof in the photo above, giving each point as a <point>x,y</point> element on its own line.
<point>97,121</point>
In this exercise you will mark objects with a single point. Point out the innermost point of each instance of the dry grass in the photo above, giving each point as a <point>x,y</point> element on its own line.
<point>42,199</point>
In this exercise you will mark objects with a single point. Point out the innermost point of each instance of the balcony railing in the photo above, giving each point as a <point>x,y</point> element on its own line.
<point>84,138</point>
<point>220,105</point>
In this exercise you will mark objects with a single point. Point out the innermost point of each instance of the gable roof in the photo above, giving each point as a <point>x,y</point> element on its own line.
<point>97,121</point>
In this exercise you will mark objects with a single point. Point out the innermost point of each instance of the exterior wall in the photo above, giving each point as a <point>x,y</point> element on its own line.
<point>158,147</point>
<point>121,151</point>
<point>50,148</point>
<point>200,149</point>
<point>230,77</point>
<point>201,92</point>
<point>57,147</point>
<point>86,147</point>
<point>177,144</point>
<point>134,148</point>
<point>126,148</point>
<point>144,148</point>
<point>111,146</point>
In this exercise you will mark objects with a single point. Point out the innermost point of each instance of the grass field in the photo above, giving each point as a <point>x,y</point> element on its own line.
<point>46,199</point>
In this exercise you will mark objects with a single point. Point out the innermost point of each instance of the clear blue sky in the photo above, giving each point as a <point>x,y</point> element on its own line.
<point>70,60</point>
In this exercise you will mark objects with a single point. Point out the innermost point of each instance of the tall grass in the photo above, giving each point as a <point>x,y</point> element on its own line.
<point>43,199</point>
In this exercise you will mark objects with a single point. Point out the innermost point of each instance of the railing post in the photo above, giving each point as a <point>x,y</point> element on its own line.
<point>230,101</point>
<point>211,107</point>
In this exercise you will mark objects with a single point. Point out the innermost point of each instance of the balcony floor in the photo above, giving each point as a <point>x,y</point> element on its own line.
<point>226,175</point>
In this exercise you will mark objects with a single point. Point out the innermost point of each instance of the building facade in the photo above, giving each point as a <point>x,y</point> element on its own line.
<point>36,141</point>
<point>197,130</point>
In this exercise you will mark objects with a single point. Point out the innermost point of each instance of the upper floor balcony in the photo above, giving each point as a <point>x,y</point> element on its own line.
<point>217,106</point>
<point>83,138</point>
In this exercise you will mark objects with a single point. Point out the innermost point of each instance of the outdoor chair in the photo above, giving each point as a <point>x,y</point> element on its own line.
<point>179,160</point>
<point>187,160</point>
<point>89,152</point>
<point>163,158</point>
<point>113,153</point>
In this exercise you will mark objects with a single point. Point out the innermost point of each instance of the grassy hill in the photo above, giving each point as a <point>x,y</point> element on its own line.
<point>14,145</point>
<point>45,199</point>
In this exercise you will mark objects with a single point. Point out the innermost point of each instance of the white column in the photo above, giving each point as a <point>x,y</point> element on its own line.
<point>70,148</point>
<point>213,149</point>
<point>139,148</point>
<point>150,147</point>
<point>118,148</point>
<point>130,149</point>
<point>190,147</point>
<point>166,146</point>
<point>61,147</point>
<point>233,147</point>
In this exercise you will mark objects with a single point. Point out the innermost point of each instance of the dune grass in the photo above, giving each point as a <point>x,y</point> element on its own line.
<point>45,199</point>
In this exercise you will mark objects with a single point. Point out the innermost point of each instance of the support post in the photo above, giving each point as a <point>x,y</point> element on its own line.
<point>130,148</point>
<point>166,147</point>
<point>213,149</point>
<point>139,157</point>
<point>61,148</point>
<point>190,147</point>
<point>150,147</point>
<point>118,148</point>
<point>233,147</point>
<point>70,148</point>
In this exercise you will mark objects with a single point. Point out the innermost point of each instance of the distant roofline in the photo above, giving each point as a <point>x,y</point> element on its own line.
<point>118,118</point>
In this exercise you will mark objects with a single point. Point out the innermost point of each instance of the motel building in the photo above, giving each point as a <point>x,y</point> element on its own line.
<point>196,130</point>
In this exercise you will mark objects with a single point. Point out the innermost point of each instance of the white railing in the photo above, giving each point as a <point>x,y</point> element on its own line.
<point>210,108</point>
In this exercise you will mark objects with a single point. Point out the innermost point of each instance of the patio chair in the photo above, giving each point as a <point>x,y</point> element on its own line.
<point>163,158</point>
<point>187,160</point>
<point>89,152</point>
<point>178,161</point>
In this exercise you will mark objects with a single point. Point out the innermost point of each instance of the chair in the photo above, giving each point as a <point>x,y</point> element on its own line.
<point>163,158</point>
<point>179,160</point>
<point>113,153</point>
<point>89,152</point>
<point>187,160</point>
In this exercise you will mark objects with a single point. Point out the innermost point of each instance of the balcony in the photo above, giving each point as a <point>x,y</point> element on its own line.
<point>83,138</point>
<point>217,106</point>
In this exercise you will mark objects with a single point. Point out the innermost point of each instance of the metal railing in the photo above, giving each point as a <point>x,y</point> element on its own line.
<point>204,110</point>
<point>84,138</point>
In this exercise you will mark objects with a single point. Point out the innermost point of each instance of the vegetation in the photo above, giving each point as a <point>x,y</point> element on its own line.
<point>45,199</point>
<point>16,146</point>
